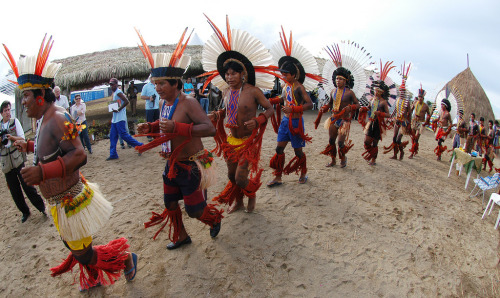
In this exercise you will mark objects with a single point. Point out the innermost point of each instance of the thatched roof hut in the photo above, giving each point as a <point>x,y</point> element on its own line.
<point>473,95</point>
<point>89,70</point>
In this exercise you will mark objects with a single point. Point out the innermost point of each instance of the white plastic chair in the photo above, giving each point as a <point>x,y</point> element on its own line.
<point>485,184</point>
<point>494,199</point>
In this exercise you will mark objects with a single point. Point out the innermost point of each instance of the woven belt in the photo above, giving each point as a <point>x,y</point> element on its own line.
<point>72,192</point>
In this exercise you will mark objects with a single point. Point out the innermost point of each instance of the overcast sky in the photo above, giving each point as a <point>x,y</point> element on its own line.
<point>435,36</point>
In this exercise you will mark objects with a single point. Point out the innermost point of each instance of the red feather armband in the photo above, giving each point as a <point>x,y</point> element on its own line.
<point>275,100</point>
<point>53,169</point>
<point>297,109</point>
<point>183,129</point>
<point>30,146</point>
<point>154,127</point>
<point>261,119</point>
<point>324,109</point>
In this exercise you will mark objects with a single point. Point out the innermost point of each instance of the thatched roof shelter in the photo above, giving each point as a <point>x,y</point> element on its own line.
<point>474,98</point>
<point>89,70</point>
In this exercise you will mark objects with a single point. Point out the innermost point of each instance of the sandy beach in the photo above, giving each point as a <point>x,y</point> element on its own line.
<point>401,228</point>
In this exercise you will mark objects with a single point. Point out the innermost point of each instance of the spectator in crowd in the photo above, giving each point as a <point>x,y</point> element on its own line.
<point>132,97</point>
<point>119,121</point>
<point>61,100</point>
<point>188,86</point>
<point>152,99</point>
<point>78,113</point>
<point>203,95</point>
<point>13,161</point>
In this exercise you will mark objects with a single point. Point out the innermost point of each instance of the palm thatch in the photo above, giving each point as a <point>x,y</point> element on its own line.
<point>88,70</point>
<point>475,99</point>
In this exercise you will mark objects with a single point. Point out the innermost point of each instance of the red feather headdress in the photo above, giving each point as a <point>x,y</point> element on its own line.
<point>34,72</point>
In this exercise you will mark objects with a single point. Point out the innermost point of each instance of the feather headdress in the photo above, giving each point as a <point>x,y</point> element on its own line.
<point>383,82</point>
<point>167,66</point>
<point>405,70</point>
<point>349,60</point>
<point>241,47</point>
<point>288,51</point>
<point>455,100</point>
<point>34,72</point>
<point>421,91</point>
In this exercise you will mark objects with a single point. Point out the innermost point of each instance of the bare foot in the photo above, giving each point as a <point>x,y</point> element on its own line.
<point>251,205</point>
<point>411,156</point>
<point>401,155</point>
<point>372,163</point>
<point>236,206</point>
<point>394,157</point>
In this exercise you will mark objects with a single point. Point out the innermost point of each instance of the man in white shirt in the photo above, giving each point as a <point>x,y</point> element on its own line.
<point>61,100</point>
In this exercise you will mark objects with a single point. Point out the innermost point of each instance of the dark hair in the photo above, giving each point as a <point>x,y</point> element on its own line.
<point>496,122</point>
<point>49,94</point>
<point>491,121</point>
<point>78,95</point>
<point>481,119</point>
<point>289,67</point>
<point>472,114</point>
<point>235,66</point>
<point>5,104</point>
<point>176,81</point>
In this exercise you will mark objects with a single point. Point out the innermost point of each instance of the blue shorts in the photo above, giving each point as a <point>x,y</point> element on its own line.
<point>284,134</point>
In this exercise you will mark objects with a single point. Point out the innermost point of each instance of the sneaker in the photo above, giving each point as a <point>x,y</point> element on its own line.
<point>123,146</point>
<point>111,158</point>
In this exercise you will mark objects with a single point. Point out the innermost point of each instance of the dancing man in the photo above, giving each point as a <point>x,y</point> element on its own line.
<point>78,207</point>
<point>228,64</point>
<point>296,101</point>
<point>377,112</point>
<point>403,119</point>
<point>444,127</point>
<point>343,104</point>
<point>419,121</point>
<point>182,124</point>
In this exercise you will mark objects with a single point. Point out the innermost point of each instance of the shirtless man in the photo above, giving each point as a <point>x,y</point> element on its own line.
<point>420,120</point>
<point>472,133</point>
<point>78,207</point>
<point>402,124</point>
<point>241,100</point>
<point>444,127</point>
<point>188,171</point>
<point>58,156</point>
<point>294,98</point>
<point>343,103</point>
<point>379,109</point>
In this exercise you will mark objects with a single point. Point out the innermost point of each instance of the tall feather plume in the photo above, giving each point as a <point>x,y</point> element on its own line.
<point>11,61</point>
<point>384,71</point>
<point>179,50</point>
<point>219,34</point>
<point>287,46</point>
<point>175,55</point>
<point>335,54</point>
<point>229,36</point>
<point>40,51</point>
<point>145,49</point>
<point>43,56</point>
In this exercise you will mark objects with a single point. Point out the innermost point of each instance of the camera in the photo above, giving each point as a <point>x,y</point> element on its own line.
<point>153,96</point>
<point>3,136</point>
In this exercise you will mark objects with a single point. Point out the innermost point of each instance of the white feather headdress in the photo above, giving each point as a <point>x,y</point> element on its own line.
<point>239,46</point>
<point>288,51</point>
